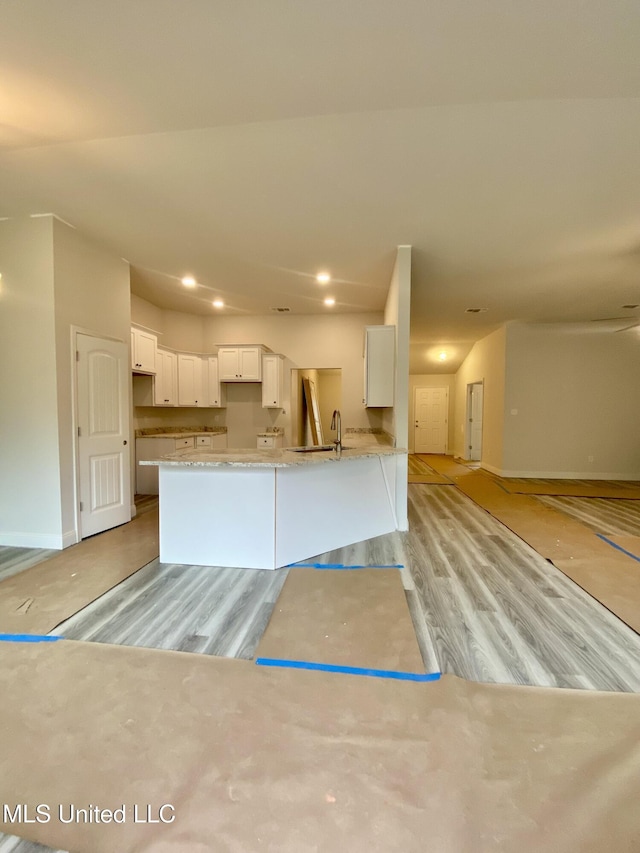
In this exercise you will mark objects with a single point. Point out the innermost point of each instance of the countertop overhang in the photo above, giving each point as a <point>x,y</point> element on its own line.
<point>267,458</point>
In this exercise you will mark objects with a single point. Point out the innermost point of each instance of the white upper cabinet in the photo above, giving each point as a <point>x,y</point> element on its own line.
<point>165,390</point>
<point>216,392</point>
<point>143,351</point>
<point>272,381</point>
<point>240,364</point>
<point>379,365</point>
<point>192,375</point>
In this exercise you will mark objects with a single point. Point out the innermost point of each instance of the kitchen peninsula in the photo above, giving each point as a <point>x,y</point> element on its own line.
<point>265,509</point>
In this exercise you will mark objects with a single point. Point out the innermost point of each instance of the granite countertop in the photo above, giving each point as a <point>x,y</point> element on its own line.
<point>179,432</point>
<point>283,458</point>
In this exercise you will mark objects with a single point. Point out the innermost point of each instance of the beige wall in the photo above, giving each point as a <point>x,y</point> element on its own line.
<point>485,363</point>
<point>570,396</point>
<point>185,332</point>
<point>148,315</point>
<point>432,380</point>
<point>30,504</point>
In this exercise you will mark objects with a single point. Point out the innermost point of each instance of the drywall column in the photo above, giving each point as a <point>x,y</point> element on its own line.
<point>395,421</point>
<point>30,510</point>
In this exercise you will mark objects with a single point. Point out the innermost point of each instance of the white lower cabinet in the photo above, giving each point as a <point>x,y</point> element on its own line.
<point>213,442</point>
<point>270,441</point>
<point>152,447</point>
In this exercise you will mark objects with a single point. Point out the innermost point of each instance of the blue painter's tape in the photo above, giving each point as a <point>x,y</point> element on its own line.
<point>28,638</point>
<point>618,547</point>
<point>340,566</point>
<point>350,670</point>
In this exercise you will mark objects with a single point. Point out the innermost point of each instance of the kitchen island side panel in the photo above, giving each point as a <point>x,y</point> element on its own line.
<point>217,516</point>
<point>320,508</point>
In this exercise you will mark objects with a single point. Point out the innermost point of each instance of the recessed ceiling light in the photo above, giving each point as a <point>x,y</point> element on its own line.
<point>442,356</point>
<point>218,303</point>
<point>189,281</point>
<point>329,300</point>
<point>323,278</point>
<point>475,310</point>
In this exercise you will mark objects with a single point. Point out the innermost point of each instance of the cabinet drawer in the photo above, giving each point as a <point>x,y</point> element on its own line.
<point>184,442</point>
<point>270,441</point>
<point>203,441</point>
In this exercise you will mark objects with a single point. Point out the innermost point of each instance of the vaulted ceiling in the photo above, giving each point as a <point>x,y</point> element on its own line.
<point>255,144</point>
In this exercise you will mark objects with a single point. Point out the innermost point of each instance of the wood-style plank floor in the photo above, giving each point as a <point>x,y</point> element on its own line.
<point>13,844</point>
<point>604,515</point>
<point>14,560</point>
<point>496,611</point>
<point>205,609</point>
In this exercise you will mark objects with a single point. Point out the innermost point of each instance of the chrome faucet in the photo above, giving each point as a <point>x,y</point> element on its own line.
<point>336,423</point>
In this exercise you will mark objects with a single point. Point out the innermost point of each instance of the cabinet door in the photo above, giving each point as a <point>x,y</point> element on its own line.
<point>190,380</point>
<point>166,381</point>
<point>249,364</point>
<point>228,364</point>
<point>217,395</point>
<point>133,349</point>
<point>272,381</point>
<point>144,351</point>
<point>379,365</point>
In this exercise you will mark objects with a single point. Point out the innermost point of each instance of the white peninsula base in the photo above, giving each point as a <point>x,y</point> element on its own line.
<point>267,517</point>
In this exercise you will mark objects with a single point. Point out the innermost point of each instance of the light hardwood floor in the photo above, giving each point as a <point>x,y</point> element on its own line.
<point>604,515</point>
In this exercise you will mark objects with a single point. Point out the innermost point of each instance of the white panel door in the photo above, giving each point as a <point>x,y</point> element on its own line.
<point>103,441</point>
<point>431,419</point>
<point>475,447</point>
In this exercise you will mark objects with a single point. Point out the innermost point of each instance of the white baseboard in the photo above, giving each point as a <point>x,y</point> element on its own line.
<point>492,469</point>
<point>133,511</point>
<point>51,541</point>
<point>69,538</point>
<point>563,475</point>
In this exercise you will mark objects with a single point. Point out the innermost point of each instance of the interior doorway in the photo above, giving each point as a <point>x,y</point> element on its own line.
<point>431,410</point>
<point>475,394</point>
<point>103,453</point>
<point>327,387</point>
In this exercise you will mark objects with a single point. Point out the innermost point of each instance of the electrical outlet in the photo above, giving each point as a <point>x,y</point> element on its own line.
<point>589,458</point>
